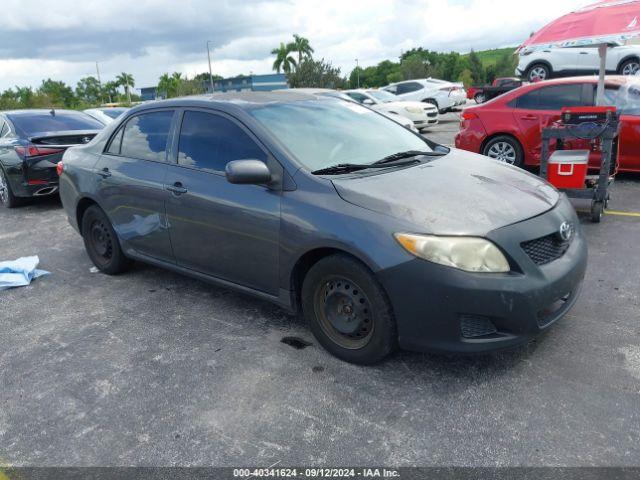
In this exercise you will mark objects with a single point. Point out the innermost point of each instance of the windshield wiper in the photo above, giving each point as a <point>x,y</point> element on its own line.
<point>408,154</point>
<point>355,167</point>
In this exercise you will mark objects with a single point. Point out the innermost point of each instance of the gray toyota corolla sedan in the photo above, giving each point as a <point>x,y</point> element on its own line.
<point>380,237</point>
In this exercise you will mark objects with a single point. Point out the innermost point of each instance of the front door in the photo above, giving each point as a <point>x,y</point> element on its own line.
<point>224,230</point>
<point>131,175</point>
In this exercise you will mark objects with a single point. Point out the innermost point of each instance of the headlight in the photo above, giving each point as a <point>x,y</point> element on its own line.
<point>471,254</point>
<point>413,109</point>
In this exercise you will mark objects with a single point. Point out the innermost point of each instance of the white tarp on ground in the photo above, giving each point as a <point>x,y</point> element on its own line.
<point>20,272</point>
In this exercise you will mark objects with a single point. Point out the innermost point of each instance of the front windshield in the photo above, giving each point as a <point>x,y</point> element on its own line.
<point>382,96</point>
<point>326,132</point>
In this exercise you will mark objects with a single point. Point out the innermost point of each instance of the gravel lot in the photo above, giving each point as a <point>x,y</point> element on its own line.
<point>152,368</point>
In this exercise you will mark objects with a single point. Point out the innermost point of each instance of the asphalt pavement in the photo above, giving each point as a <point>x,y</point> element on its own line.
<point>153,368</point>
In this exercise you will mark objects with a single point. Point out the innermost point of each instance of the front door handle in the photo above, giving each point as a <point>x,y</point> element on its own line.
<point>529,117</point>
<point>104,173</point>
<point>177,188</point>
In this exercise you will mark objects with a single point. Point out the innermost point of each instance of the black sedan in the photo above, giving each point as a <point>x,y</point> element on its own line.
<point>379,236</point>
<point>32,142</point>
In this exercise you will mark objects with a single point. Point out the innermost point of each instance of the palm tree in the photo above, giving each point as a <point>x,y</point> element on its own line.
<point>283,60</point>
<point>302,46</point>
<point>126,80</point>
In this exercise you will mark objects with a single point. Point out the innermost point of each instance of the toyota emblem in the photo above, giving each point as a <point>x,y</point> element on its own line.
<point>566,231</point>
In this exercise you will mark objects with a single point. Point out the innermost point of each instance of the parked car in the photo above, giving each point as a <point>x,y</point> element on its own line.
<point>508,127</point>
<point>444,95</point>
<point>422,115</point>
<point>327,92</point>
<point>499,86</point>
<point>380,236</point>
<point>551,62</point>
<point>105,115</point>
<point>31,144</point>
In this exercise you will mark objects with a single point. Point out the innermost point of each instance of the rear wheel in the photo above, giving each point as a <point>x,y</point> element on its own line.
<point>101,242</point>
<point>432,102</point>
<point>7,198</point>
<point>505,149</point>
<point>348,311</point>
<point>539,71</point>
<point>479,97</point>
<point>629,67</point>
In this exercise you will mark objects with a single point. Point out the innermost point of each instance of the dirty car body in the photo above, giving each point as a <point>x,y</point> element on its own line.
<point>269,238</point>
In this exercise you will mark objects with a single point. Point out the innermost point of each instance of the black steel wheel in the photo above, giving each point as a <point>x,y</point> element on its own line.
<point>101,242</point>
<point>348,310</point>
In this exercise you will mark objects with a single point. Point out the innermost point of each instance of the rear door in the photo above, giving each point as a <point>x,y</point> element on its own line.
<point>130,176</point>
<point>589,59</point>
<point>224,230</point>
<point>538,108</point>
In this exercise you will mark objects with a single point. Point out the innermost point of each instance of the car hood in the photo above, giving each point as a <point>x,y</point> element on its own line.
<point>459,194</point>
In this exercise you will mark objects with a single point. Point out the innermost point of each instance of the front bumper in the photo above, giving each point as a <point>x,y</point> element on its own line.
<point>432,303</point>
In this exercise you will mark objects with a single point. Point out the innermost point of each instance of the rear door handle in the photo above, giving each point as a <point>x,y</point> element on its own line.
<point>104,173</point>
<point>584,53</point>
<point>176,188</point>
<point>529,117</point>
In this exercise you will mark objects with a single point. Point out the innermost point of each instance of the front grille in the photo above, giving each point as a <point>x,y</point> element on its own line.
<point>476,326</point>
<point>546,249</point>
<point>432,114</point>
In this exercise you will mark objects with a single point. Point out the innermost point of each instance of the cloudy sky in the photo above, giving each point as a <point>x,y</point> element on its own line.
<point>63,39</point>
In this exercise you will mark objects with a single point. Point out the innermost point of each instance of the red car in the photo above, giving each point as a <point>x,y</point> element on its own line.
<point>508,127</point>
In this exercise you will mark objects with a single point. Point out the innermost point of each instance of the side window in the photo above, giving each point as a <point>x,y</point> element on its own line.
<point>209,142</point>
<point>558,96</point>
<point>529,101</point>
<point>393,89</point>
<point>145,136</point>
<point>358,97</point>
<point>116,141</point>
<point>408,87</point>
<point>4,129</point>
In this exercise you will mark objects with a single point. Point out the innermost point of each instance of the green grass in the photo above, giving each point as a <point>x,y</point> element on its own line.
<point>490,57</point>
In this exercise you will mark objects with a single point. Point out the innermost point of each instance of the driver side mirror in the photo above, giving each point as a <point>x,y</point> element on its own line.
<point>368,101</point>
<point>253,172</point>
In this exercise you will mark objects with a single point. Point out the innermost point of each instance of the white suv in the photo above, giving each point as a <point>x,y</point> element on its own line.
<point>543,64</point>
<point>444,95</point>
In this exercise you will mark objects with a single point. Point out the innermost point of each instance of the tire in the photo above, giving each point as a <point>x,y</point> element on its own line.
<point>538,70</point>
<point>7,198</point>
<point>505,149</point>
<point>479,98</point>
<point>101,242</point>
<point>348,311</point>
<point>597,208</point>
<point>629,67</point>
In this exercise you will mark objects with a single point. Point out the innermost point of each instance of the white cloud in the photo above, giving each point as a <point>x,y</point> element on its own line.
<point>148,38</point>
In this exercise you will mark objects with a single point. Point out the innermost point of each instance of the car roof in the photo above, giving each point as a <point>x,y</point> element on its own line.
<point>234,100</point>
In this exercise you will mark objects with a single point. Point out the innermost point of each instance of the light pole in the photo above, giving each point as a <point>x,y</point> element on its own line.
<point>210,72</point>
<point>358,73</point>
<point>100,83</point>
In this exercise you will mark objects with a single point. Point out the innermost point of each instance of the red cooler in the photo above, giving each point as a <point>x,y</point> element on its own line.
<point>568,168</point>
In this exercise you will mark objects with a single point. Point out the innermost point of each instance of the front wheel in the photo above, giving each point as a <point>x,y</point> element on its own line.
<point>538,71</point>
<point>101,242</point>
<point>505,149</point>
<point>348,311</point>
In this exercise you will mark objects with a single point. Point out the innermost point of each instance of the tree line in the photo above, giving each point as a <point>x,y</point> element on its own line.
<point>294,58</point>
